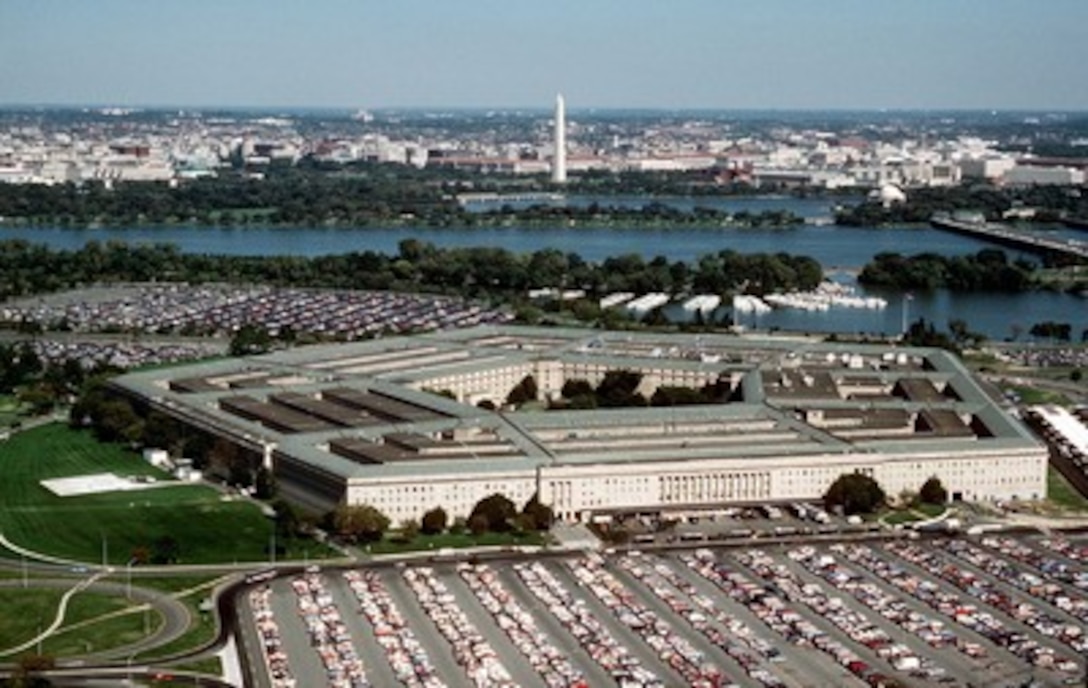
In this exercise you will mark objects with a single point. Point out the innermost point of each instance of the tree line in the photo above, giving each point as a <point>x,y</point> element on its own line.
<point>480,272</point>
<point>375,195</point>
<point>1051,204</point>
<point>987,270</point>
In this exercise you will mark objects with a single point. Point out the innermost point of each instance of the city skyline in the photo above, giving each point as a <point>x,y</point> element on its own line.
<point>775,55</point>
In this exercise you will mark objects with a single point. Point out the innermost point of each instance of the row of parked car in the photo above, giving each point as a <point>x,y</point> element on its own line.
<point>192,309</point>
<point>271,638</point>
<point>833,609</point>
<point>723,630</point>
<point>777,613</point>
<point>672,648</point>
<point>580,621</point>
<point>329,635</point>
<point>1036,586</point>
<point>407,657</point>
<point>470,648</point>
<point>962,609</point>
<point>930,629</point>
<point>551,664</point>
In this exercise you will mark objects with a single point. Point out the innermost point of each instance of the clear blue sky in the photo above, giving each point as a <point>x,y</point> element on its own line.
<point>1030,54</point>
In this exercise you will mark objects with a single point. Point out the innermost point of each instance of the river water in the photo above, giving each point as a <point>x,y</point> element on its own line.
<point>842,249</point>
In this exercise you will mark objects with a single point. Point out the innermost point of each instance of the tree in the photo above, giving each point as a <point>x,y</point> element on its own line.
<point>477,524</point>
<point>165,550</point>
<point>854,493</point>
<point>360,523</point>
<point>116,421</point>
<point>287,519</point>
<point>409,529</point>
<point>497,512</point>
<point>434,521</point>
<point>933,492</point>
<point>576,388</point>
<point>618,389</point>
<point>249,340</point>
<point>264,484</point>
<point>39,398</point>
<point>538,515</point>
<point>28,669</point>
<point>524,391</point>
<point>458,526</point>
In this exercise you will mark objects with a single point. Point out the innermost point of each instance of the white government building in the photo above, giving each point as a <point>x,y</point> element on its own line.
<point>395,422</point>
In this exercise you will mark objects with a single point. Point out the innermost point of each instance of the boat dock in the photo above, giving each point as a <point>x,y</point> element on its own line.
<point>514,197</point>
<point>1007,236</point>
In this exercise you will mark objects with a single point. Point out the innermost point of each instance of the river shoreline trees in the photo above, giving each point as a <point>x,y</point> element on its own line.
<point>375,198</point>
<point>480,273</point>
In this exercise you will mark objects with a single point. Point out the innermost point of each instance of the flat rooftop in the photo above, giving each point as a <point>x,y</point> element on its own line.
<point>355,410</point>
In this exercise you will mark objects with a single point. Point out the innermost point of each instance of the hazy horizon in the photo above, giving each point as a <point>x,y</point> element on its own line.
<point>772,55</point>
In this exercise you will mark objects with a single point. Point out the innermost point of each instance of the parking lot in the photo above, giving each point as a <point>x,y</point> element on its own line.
<point>986,611</point>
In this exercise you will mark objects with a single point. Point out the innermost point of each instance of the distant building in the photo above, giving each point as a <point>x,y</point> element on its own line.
<point>1030,175</point>
<point>989,167</point>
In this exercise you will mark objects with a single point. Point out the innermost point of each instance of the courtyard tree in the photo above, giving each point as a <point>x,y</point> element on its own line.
<point>524,391</point>
<point>538,516</point>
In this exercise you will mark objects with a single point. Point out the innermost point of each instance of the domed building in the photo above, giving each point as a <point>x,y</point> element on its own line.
<point>888,195</point>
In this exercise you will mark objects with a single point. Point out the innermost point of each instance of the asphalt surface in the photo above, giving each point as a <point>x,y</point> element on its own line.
<point>801,666</point>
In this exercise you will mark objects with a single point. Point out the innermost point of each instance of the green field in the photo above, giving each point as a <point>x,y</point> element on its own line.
<point>25,613</point>
<point>1033,396</point>
<point>206,528</point>
<point>1061,493</point>
<point>201,631</point>
<point>10,408</point>
<point>102,635</point>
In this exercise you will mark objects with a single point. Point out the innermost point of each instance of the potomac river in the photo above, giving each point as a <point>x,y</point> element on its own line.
<point>841,250</point>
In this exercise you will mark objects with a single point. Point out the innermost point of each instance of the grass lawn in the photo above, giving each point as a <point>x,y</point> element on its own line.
<point>201,631</point>
<point>167,584</point>
<point>931,510</point>
<point>206,528</point>
<point>1034,396</point>
<point>98,636</point>
<point>427,542</point>
<point>1061,493</point>
<point>25,612</point>
<point>903,516</point>
<point>208,665</point>
<point>10,409</point>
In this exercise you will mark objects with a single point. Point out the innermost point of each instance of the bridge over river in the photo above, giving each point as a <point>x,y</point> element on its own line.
<point>1008,236</point>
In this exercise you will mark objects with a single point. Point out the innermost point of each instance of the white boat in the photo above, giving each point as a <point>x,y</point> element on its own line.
<point>702,303</point>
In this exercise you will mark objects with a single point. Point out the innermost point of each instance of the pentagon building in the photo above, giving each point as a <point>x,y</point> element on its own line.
<point>395,422</point>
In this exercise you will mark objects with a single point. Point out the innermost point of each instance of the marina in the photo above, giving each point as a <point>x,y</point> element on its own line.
<point>840,250</point>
